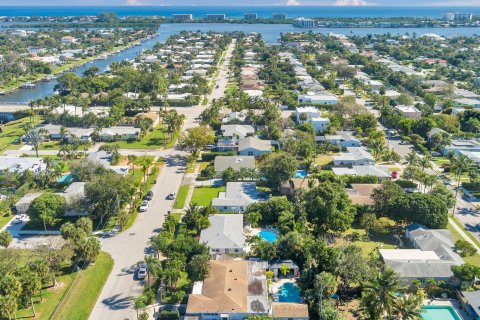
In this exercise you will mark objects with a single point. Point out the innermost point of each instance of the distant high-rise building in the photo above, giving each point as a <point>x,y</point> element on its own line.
<point>216,17</point>
<point>304,23</point>
<point>279,16</point>
<point>182,17</point>
<point>250,16</point>
<point>459,17</point>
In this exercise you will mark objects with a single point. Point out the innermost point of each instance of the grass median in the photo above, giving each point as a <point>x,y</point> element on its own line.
<point>181,197</point>
<point>82,296</point>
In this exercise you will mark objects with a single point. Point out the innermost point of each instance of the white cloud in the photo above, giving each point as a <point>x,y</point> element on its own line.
<point>293,3</point>
<point>350,3</point>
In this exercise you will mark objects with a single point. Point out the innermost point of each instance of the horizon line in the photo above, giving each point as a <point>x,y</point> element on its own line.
<point>223,6</point>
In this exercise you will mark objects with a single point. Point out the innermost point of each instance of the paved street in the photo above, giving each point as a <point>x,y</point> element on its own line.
<point>130,247</point>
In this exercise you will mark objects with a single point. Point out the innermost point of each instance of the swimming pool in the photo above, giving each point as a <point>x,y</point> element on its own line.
<point>268,235</point>
<point>300,174</point>
<point>439,313</point>
<point>289,292</point>
<point>65,179</point>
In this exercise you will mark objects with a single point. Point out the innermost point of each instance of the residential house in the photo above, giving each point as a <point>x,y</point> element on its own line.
<point>355,156</point>
<point>408,112</point>
<point>313,116</point>
<point>433,132</point>
<point>289,187</point>
<point>237,131</point>
<point>54,132</point>
<point>252,146</point>
<point>22,205</point>
<point>234,162</point>
<point>470,301</point>
<point>342,139</point>
<point>234,116</point>
<point>74,196</point>
<point>318,98</point>
<point>237,197</point>
<point>432,257</point>
<point>119,133</point>
<point>233,290</point>
<point>225,234</point>
<point>361,193</point>
<point>464,102</point>
<point>20,164</point>
<point>462,145</point>
<point>103,158</point>
<point>289,311</point>
<point>377,171</point>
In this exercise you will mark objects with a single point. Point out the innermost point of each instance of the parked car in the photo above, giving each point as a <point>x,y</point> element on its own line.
<point>171,196</point>
<point>149,196</point>
<point>142,271</point>
<point>394,174</point>
<point>143,206</point>
<point>17,220</point>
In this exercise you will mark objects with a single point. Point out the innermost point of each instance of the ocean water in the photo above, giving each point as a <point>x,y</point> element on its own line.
<point>238,11</point>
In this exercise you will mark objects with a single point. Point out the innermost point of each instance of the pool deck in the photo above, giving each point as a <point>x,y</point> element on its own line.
<point>449,303</point>
<point>276,284</point>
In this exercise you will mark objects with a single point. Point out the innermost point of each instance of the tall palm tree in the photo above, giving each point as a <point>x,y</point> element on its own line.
<point>425,162</point>
<point>379,295</point>
<point>460,163</point>
<point>35,137</point>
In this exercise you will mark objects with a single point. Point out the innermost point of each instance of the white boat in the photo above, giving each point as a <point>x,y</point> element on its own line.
<point>28,85</point>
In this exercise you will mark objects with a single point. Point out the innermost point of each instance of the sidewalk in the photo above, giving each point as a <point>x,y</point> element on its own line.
<point>463,234</point>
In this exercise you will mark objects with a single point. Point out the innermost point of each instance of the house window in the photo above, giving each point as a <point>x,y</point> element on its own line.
<point>236,250</point>
<point>224,207</point>
<point>227,251</point>
<point>250,153</point>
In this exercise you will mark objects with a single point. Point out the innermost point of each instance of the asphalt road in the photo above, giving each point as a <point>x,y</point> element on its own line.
<point>130,247</point>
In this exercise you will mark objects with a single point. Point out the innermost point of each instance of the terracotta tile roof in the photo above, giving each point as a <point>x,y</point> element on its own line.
<point>225,290</point>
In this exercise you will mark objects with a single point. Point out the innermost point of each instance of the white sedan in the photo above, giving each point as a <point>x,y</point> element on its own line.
<point>143,206</point>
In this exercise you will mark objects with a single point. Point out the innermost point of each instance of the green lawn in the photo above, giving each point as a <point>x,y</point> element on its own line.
<point>81,298</point>
<point>155,139</point>
<point>181,197</point>
<point>469,234</point>
<point>50,145</point>
<point>36,223</point>
<point>475,259</point>
<point>14,130</point>
<point>358,237</point>
<point>203,195</point>
<point>323,159</point>
<point>4,220</point>
<point>51,298</point>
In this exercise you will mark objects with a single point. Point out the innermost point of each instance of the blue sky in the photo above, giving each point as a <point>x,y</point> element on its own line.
<point>239,2</point>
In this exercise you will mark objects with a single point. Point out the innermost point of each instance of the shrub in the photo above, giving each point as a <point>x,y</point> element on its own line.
<point>169,315</point>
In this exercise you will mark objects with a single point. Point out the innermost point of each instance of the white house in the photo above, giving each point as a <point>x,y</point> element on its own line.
<point>342,139</point>
<point>252,146</point>
<point>377,171</point>
<point>462,102</point>
<point>318,98</point>
<point>238,131</point>
<point>408,112</point>
<point>313,116</point>
<point>20,164</point>
<point>225,234</point>
<point>355,156</point>
<point>237,197</point>
<point>119,133</point>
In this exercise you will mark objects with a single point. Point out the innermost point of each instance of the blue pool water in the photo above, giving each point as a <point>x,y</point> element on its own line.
<point>65,179</point>
<point>289,292</point>
<point>300,174</point>
<point>439,313</point>
<point>267,235</point>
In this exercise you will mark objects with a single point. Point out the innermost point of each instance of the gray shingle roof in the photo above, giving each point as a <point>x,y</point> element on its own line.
<point>254,143</point>
<point>225,231</point>
<point>236,162</point>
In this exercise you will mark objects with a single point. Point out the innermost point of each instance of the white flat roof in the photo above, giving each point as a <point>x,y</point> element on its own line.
<point>408,254</point>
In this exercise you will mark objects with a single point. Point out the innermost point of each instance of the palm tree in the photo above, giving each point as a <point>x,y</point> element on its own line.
<point>35,137</point>
<point>460,163</point>
<point>412,158</point>
<point>425,163</point>
<point>379,295</point>
<point>407,307</point>
<point>132,160</point>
